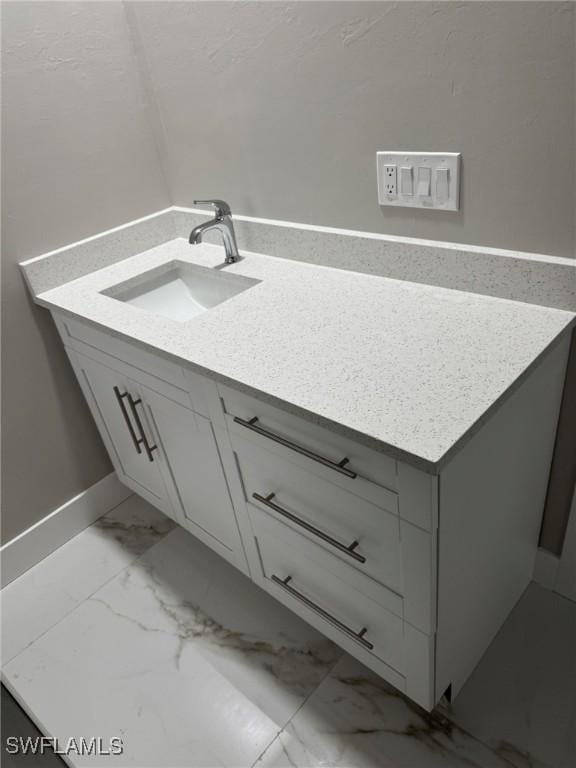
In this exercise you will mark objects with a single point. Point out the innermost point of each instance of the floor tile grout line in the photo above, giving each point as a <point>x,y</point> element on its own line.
<point>5,664</point>
<point>298,708</point>
<point>267,747</point>
<point>107,513</point>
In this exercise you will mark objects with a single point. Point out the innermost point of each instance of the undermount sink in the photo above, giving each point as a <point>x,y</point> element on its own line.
<point>179,290</point>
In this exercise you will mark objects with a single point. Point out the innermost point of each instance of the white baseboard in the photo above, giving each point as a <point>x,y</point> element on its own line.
<point>546,569</point>
<point>37,542</point>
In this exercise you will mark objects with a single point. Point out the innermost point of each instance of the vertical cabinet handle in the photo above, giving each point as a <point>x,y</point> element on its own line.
<point>120,398</point>
<point>138,441</point>
<point>143,439</point>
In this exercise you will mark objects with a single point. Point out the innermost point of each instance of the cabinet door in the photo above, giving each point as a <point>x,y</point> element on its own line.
<point>115,405</point>
<point>187,440</point>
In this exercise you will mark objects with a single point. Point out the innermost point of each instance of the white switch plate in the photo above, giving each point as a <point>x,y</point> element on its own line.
<point>441,165</point>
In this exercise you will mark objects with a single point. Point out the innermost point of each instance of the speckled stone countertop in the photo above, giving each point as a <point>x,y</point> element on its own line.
<point>410,369</point>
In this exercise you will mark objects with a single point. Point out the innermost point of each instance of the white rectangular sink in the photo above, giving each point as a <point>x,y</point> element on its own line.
<point>179,290</point>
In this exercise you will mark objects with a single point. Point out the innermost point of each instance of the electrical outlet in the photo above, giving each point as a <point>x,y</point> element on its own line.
<point>390,180</point>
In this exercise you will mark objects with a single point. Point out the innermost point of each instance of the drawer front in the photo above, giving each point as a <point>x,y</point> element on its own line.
<point>148,368</point>
<point>335,458</point>
<point>362,535</point>
<point>301,575</point>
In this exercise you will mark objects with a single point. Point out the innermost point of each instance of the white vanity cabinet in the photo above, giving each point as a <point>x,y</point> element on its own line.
<point>411,571</point>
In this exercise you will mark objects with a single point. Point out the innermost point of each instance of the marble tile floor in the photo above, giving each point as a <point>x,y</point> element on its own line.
<point>44,595</point>
<point>135,629</point>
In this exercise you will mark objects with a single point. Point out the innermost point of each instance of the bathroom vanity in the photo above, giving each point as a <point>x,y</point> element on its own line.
<point>373,453</point>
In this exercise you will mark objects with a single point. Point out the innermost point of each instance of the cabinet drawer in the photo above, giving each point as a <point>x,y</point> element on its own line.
<point>317,586</point>
<point>331,456</point>
<point>360,534</point>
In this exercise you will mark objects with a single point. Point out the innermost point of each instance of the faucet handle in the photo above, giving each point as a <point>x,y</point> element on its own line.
<point>221,206</point>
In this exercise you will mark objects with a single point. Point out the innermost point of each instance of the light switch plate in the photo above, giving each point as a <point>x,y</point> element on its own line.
<point>444,187</point>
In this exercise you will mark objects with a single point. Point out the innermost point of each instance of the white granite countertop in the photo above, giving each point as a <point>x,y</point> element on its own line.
<point>410,369</point>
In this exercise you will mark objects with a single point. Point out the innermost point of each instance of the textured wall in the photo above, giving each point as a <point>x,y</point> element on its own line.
<point>280,108</point>
<point>78,157</point>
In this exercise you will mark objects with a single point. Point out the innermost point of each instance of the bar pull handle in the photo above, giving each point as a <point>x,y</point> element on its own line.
<point>120,398</point>
<point>357,636</point>
<point>255,427</point>
<point>143,439</point>
<point>349,550</point>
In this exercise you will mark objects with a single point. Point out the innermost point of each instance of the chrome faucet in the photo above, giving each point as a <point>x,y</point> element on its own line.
<point>223,223</point>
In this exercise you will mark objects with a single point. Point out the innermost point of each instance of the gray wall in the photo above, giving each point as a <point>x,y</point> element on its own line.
<point>281,107</point>
<point>78,157</point>
<point>114,110</point>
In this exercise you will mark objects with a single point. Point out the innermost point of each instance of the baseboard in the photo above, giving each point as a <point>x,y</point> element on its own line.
<point>546,569</point>
<point>34,544</point>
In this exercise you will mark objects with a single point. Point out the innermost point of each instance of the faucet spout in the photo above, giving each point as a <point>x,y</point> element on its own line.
<point>198,232</point>
<point>222,222</point>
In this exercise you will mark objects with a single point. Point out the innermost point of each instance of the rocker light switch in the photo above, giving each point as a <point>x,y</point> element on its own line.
<point>442,184</point>
<point>424,179</point>
<point>406,184</point>
<point>429,180</point>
